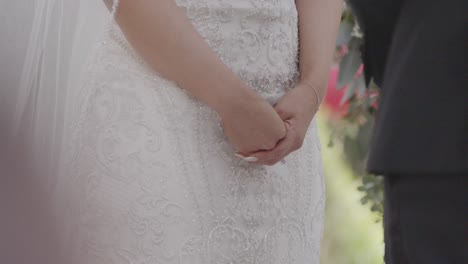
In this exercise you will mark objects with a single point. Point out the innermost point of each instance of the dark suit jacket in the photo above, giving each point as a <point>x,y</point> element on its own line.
<point>417,52</point>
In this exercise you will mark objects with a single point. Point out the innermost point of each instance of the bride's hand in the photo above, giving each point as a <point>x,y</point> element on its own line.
<point>297,108</point>
<point>251,124</point>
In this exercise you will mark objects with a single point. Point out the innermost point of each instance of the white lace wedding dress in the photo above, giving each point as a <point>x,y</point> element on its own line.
<point>155,179</point>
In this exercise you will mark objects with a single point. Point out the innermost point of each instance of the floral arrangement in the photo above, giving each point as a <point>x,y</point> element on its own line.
<point>352,105</point>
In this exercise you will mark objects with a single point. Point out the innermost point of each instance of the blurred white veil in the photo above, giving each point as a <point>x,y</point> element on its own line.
<point>45,48</point>
<point>62,38</point>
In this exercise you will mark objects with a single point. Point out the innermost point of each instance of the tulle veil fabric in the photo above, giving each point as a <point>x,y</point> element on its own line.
<point>60,37</point>
<point>63,36</point>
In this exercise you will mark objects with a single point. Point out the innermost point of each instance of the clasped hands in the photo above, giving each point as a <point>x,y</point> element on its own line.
<point>265,135</point>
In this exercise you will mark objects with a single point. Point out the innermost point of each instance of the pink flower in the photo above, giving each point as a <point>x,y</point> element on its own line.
<point>333,96</point>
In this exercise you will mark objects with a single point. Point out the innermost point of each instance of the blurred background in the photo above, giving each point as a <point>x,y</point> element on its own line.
<point>353,224</point>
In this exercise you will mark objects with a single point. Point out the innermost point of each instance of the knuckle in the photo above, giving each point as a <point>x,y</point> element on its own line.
<point>274,161</point>
<point>277,138</point>
<point>281,111</point>
<point>298,144</point>
<point>269,145</point>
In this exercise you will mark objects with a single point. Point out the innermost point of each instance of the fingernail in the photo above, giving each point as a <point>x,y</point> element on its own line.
<point>251,159</point>
<point>239,155</point>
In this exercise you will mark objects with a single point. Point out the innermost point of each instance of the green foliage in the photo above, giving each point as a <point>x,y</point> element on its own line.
<point>355,128</point>
<point>372,187</point>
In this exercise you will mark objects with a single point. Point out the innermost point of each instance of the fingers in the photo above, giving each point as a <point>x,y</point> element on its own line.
<point>283,148</point>
<point>270,157</point>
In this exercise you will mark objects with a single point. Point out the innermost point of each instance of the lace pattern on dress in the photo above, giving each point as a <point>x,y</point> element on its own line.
<point>154,177</point>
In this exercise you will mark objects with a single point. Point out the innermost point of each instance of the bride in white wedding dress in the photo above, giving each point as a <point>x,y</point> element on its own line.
<point>193,138</point>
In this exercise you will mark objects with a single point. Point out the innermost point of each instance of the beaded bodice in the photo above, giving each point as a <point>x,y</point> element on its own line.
<point>262,34</point>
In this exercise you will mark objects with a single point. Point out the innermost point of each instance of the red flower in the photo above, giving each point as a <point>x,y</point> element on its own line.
<point>333,96</point>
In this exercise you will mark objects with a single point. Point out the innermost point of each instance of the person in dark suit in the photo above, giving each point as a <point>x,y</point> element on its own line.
<point>417,52</point>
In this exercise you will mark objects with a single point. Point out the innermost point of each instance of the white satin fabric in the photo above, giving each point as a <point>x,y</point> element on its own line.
<point>152,176</point>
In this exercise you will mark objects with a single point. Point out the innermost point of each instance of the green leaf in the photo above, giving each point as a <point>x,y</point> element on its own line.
<point>350,92</point>
<point>344,34</point>
<point>367,178</point>
<point>364,200</point>
<point>375,208</point>
<point>361,83</point>
<point>350,63</point>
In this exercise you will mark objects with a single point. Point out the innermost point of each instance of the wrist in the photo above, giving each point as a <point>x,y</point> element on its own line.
<point>312,93</point>
<point>317,81</point>
<point>232,98</point>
